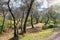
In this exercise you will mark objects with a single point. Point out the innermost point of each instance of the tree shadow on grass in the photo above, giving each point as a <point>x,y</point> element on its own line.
<point>34,30</point>
<point>14,38</point>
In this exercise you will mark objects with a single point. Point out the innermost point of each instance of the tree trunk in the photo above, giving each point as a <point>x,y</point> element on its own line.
<point>47,19</point>
<point>3,21</point>
<point>24,28</point>
<point>15,28</point>
<point>37,19</point>
<point>54,19</point>
<point>22,21</point>
<point>32,21</point>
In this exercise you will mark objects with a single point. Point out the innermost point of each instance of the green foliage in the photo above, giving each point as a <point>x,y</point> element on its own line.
<point>6,27</point>
<point>29,18</point>
<point>51,21</point>
<point>0,21</point>
<point>58,20</point>
<point>50,25</point>
<point>11,23</point>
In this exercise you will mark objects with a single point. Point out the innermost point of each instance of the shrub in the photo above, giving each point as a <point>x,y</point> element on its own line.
<point>11,24</point>
<point>6,27</point>
<point>51,25</point>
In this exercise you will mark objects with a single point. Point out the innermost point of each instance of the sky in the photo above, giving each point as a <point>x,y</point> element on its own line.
<point>46,4</point>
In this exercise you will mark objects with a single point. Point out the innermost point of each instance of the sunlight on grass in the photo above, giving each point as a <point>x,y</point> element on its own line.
<point>39,35</point>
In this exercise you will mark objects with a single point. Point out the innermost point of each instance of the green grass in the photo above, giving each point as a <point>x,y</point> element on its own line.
<point>39,35</point>
<point>0,21</point>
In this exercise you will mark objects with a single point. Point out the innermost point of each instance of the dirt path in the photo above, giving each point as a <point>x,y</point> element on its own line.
<point>55,36</point>
<point>9,35</point>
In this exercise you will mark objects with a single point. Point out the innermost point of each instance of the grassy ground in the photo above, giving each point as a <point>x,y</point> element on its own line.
<point>33,35</point>
<point>39,35</point>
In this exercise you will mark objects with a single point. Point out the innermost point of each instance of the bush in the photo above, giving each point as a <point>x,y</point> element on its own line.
<point>6,27</point>
<point>51,25</point>
<point>11,24</point>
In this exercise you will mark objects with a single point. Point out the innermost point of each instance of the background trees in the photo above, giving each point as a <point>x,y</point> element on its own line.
<point>22,14</point>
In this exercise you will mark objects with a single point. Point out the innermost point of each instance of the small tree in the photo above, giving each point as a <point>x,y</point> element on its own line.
<point>32,21</point>
<point>3,19</point>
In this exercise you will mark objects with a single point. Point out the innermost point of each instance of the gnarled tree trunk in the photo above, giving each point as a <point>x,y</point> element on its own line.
<point>24,28</point>
<point>15,28</point>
